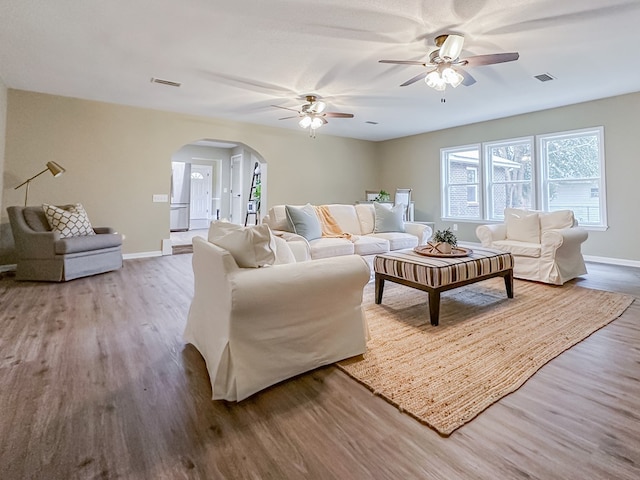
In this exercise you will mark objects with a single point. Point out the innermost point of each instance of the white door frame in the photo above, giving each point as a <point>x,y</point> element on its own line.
<point>235,191</point>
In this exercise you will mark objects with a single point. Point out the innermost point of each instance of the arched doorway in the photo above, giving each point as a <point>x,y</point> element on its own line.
<point>220,179</point>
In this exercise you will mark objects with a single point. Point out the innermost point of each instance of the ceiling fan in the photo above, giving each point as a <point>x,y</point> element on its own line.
<point>443,67</point>
<point>312,114</point>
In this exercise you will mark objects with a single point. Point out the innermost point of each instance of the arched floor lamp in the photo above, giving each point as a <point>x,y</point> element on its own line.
<point>55,169</point>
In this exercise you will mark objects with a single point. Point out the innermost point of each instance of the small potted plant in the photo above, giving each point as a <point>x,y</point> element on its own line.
<point>444,241</point>
<point>383,196</point>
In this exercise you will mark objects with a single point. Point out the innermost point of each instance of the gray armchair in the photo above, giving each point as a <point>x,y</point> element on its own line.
<point>44,256</point>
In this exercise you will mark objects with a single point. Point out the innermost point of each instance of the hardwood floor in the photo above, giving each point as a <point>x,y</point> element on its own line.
<point>96,382</point>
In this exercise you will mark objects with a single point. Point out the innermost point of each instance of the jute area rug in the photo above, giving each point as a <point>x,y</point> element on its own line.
<point>485,347</point>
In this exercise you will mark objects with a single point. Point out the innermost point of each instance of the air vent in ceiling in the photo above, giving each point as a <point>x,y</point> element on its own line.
<point>165,82</point>
<point>544,77</point>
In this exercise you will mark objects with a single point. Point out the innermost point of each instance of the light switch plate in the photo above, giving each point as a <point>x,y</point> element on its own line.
<point>160,197</point>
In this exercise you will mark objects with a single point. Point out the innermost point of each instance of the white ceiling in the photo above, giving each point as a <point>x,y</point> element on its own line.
<point>236,58</point>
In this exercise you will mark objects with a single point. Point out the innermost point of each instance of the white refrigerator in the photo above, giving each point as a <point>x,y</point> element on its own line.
<point>180,196</point>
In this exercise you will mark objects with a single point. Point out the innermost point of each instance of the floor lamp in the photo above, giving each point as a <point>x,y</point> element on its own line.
<point>55,169</point>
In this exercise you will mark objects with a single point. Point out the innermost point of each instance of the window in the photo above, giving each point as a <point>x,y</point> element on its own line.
<point>573,174</point>
<point>555,172</point>
<point>509,176</point>
<point>460,167</point>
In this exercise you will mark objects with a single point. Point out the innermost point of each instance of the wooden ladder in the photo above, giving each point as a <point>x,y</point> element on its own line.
<point>253,205</point>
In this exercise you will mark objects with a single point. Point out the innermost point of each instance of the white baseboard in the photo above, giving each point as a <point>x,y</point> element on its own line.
<point>130,256</point>
<point>593,258</point>
<point>612,261</point>
<point>158,253</point>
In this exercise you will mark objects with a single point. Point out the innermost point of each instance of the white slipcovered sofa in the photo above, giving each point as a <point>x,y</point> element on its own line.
<point>545,245</point>
<point>363,223</point>
<point>259,317</point>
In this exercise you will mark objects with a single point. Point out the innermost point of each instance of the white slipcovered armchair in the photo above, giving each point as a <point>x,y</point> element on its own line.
<point>545,245</point>
<point>258,326</point>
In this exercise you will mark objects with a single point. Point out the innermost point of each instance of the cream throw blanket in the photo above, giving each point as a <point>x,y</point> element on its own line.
<point>330,227</point>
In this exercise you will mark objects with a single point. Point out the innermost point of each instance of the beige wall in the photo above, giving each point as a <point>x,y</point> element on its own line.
<point>415,162</point>
<point>117,157</point>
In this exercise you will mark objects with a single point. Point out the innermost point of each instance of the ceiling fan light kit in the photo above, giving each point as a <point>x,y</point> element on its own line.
<point>447,56</point>
<point>312,114</point>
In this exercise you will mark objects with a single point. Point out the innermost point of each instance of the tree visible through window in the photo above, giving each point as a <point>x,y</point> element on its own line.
<point>573,170</point>
<point>509,176</point>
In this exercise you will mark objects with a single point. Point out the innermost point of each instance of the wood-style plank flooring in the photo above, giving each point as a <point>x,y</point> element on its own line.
<point>96,382</point>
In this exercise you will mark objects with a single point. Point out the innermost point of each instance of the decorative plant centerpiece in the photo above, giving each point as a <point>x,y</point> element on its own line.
<point>383,197</point>
<point>443,241</point>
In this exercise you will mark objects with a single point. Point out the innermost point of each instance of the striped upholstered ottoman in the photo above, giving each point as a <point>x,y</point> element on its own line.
<point>437,274</point>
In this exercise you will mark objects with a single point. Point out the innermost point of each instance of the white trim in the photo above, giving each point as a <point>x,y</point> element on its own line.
<point>128,256</point>
<point>131,256</point>
<point>588,258</point>
<point>612,261</point>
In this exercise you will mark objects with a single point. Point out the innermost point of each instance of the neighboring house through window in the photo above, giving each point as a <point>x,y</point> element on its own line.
<point>552,172</point>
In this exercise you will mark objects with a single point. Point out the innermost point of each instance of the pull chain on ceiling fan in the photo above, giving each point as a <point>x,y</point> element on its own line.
<point>312,114</point>
<point>443,67</point>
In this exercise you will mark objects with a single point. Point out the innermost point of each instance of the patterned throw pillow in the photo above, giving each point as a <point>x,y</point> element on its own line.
<point>70,220</point>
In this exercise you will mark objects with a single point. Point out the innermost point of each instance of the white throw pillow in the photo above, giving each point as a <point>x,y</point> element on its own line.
<point>556,220</point>
<point>251,247</point>
<point>284,254</point>
<point>69,220</point>
<point>388,219</point>
<point>522,225</point>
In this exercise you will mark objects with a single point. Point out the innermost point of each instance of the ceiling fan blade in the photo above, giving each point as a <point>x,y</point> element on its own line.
<point>404,62</point>
<point>287,118</point>
<point>490,59</point>
<point>338,115</point>
<point>452,47</point>
<point>420,76</point>
<point>468,79</point>
<point>285,108</point>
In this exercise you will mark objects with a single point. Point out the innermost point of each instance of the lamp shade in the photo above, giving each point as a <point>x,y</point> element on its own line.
<point>451,48</point>
<point>316,122</point>
<point>452,77</point>
<point>305,122</point>
<point>55,169</point>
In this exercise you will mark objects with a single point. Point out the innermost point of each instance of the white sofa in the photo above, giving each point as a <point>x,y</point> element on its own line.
<point>258,325</point>
<point>358,220</point>
<point>545,245</point>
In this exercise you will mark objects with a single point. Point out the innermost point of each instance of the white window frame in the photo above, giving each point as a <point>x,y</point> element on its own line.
<point>444,180</point>
<point>489,182</point>
<point>539,185</point>
<point>544,180</point>
<point>473,186</point>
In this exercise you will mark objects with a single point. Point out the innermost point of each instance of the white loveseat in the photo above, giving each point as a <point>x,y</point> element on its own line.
<point>258,319</point>
<point>545,245</point>
<point>357,220</point>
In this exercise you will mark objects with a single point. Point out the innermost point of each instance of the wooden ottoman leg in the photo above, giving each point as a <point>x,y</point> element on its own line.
<point>379,288</point>
<point>434,307</point>
<point>508,283</point>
